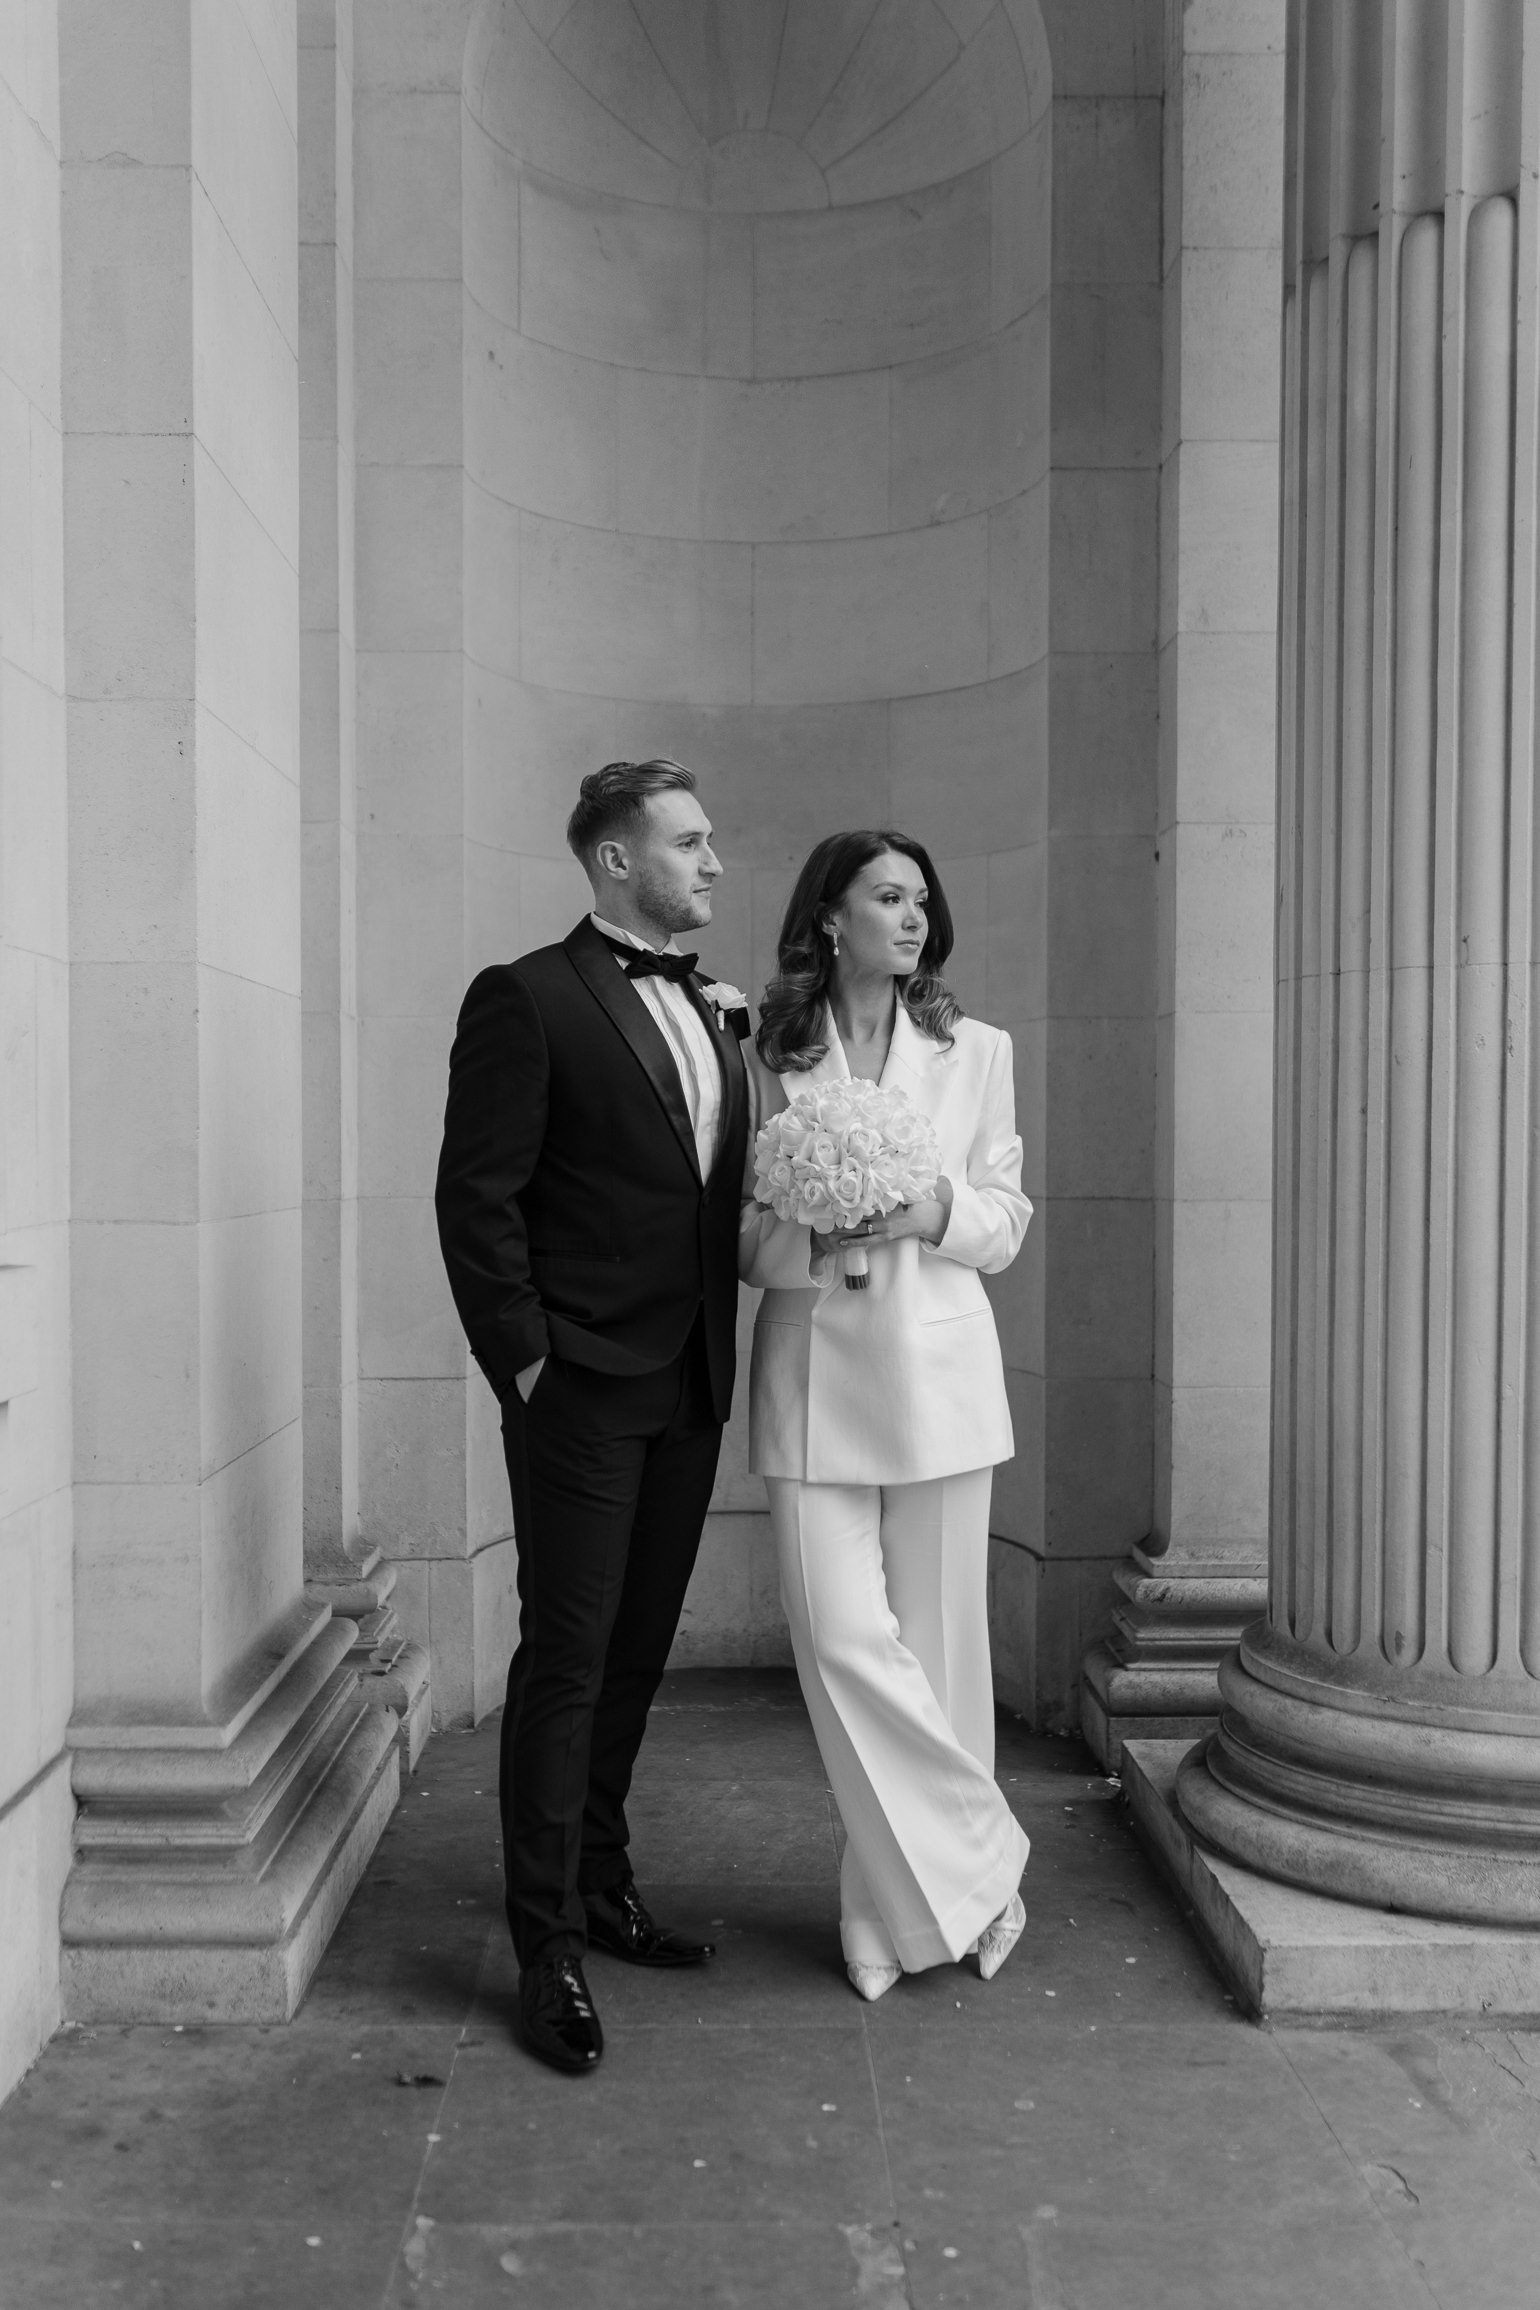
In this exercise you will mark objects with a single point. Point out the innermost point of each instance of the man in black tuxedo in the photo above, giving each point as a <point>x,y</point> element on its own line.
<point>587,1200</point>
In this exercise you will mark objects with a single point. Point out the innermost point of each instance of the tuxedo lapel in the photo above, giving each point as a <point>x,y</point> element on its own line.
<point>594,961</point>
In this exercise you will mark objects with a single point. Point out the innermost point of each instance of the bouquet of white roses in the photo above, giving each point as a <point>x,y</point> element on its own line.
<point>842,1153</point>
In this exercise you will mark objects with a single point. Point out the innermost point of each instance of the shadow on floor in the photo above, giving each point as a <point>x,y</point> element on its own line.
<point>1094,2130</point>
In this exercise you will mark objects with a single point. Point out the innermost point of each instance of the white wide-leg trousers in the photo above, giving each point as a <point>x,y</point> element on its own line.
<point>884,1590</point>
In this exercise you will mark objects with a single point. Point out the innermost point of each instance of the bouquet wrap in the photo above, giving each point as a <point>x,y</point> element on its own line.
<point>841,1153</point>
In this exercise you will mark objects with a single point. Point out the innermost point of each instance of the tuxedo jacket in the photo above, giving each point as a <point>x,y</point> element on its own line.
<point>571,1209</point>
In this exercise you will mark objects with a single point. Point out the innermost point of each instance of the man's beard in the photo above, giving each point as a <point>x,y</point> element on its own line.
<point>666,907</point>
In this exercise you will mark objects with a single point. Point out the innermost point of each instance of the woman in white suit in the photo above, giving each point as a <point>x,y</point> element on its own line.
<point>877,1416</point>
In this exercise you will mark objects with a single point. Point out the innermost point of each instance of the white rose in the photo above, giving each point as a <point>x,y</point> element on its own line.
<point>847,1191</point>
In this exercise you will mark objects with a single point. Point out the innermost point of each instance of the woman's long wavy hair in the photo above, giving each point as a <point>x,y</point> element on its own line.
<point>791,1015</point>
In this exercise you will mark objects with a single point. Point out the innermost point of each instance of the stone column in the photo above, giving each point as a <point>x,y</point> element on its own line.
<point>1188,1591</point>
<point>231,1779</point>
<point>344,1568</point>
<point>1380,1739</point>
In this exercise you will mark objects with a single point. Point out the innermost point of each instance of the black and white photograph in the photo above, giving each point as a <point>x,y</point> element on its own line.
<point>770,1154</point>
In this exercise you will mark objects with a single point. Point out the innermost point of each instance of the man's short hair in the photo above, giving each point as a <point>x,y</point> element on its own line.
<point>613,801</point>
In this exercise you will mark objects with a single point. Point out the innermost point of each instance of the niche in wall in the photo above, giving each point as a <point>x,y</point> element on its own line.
<point>756,443</point>
<point>756,435</point>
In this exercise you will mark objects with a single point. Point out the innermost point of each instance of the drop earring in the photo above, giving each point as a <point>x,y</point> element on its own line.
<point>834,941</point>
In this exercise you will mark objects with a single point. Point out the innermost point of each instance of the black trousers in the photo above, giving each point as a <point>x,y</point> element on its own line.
<point>611,1480</point>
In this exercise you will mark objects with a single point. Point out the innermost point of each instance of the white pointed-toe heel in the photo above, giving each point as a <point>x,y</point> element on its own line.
<point>998,1940</point>
<point>873,1981</point>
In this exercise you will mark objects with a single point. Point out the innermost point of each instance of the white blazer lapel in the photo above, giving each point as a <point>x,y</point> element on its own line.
<point>910,1057</point>
<point>909,1064</point>
<point>833,1067</point>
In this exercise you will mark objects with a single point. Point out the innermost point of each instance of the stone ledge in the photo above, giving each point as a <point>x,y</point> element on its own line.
<point>1289,1954</point>
<point>1107,1736</point>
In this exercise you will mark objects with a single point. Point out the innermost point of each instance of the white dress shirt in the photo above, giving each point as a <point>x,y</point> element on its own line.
<point>690,1046</point>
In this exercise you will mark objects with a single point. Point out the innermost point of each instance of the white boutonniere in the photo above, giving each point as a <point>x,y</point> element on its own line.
<point>724,998</point>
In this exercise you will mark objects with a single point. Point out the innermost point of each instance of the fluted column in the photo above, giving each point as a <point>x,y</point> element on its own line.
<point>1380,1736</point>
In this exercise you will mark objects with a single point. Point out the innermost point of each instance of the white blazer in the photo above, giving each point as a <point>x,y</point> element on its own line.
<point>901,1382</point>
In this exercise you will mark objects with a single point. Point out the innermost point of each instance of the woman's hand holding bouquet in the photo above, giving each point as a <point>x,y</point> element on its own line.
<point>851,1160</point>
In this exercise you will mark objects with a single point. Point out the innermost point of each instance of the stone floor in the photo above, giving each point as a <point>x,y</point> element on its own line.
<point>1095,2130</point>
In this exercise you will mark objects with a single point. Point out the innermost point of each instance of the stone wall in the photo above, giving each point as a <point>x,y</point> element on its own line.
<point>36,1665</point>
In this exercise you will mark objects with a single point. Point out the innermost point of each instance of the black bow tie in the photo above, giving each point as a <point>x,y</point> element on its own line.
<point>642,963</point>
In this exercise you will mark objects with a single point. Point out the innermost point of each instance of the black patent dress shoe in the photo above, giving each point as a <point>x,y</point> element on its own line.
<point>618,1922</point>
<point>557,2021</point>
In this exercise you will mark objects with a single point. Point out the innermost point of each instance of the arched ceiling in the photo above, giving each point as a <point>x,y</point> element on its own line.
<point>752,105</point>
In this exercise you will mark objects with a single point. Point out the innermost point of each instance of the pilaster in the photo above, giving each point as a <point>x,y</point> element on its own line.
<point>432,1491</point>
<point>1071,890</point>
<point>344,1570</point>
<point>231,1778</point>
<point>1190,1588</point>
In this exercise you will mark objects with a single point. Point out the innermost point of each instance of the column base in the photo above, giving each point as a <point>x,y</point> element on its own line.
<point>396,1677</point>
<point>1155,1676</point>
<point>208,1879</point>
<point>1287,1953</point>
<point>1317,1777</point>
<point>396,1674</point>
<point>35,1829</point>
